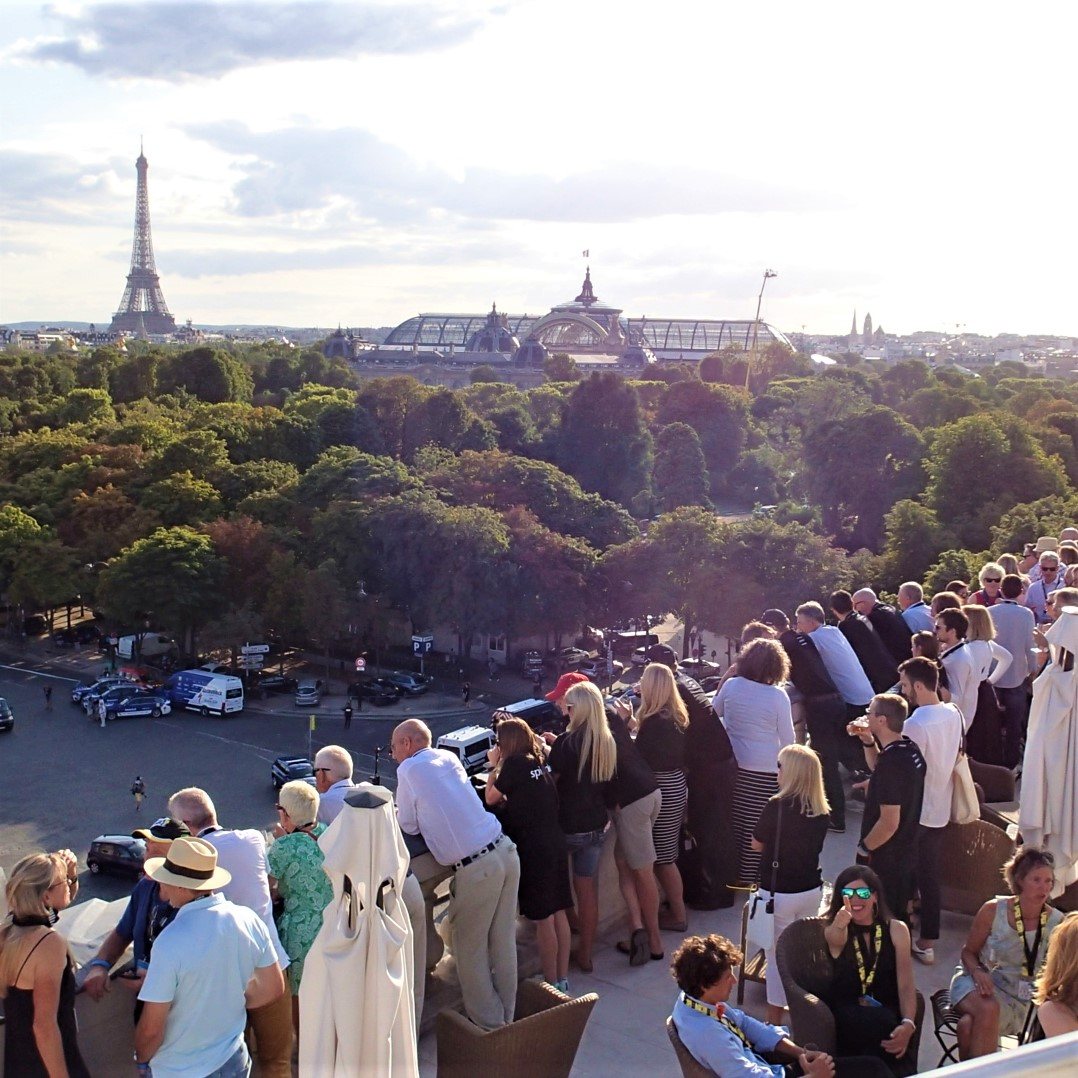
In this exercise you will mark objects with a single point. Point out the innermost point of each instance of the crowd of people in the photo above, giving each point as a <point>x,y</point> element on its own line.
<point>705,796</point>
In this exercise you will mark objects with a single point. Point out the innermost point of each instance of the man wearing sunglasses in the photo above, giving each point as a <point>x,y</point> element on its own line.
<point>332,780</point>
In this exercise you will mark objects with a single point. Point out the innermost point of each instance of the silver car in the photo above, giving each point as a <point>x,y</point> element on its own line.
<point>308,693</point>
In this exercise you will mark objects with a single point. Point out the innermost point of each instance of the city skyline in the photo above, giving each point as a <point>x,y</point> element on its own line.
<point>315,163</point>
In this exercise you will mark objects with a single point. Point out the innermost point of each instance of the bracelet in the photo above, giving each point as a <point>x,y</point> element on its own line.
<point>910,1022</point>
<point>103,963</point>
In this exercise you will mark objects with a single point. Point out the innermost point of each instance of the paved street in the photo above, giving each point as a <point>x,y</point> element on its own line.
<point>66,780</point>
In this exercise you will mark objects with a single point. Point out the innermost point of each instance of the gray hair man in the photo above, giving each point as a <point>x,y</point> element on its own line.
<point>332,780</point>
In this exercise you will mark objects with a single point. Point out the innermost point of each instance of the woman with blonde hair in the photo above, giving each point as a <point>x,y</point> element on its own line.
<point>583,761</point>
<point>756,713</point>
<point>37,978</point>
<point>789,836</point>
<point>661,721</point>
<point>990,577</point>
<point>984,736</point>
<point>521,790</point>
<point>1057,990</point>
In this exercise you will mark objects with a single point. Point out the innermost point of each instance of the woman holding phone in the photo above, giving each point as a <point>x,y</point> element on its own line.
<point>872,994</point>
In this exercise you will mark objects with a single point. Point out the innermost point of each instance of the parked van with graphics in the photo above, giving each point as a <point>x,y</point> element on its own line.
<point>210,694</point>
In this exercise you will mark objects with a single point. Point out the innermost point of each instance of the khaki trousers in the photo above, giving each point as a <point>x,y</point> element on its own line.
<point>270,1030</point>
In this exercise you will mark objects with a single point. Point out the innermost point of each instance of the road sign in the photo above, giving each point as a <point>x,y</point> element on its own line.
<point>250,662</point>
<point>422,645</point>
<point>255,649</point>
<point>314,724</point>
<point>361,664</point>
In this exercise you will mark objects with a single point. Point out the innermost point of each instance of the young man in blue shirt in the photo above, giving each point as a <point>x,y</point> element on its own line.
<point>729,1042</point>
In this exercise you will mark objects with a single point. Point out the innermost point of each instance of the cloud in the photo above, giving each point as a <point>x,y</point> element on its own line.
<point>303,169</point>
<point>53,187</point>
<point>175,42</point>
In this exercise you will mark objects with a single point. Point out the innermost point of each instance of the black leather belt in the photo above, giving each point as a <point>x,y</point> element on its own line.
<point>478,853</point>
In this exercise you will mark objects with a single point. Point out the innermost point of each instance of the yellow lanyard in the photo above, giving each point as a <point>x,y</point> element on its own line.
<point>866,979</point>
<point>1019,924</point>
<point>712,1012</point>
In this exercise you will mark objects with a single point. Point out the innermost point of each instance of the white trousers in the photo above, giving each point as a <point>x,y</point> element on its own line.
<point>788,908</point>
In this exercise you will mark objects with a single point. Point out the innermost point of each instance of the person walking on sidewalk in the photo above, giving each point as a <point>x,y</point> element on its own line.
<point>348,715</point>
<point>48,697</point>
<point>466,691</point>
<point>138,791</point>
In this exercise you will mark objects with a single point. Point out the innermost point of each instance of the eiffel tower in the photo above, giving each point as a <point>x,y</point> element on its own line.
<point>143,308</point>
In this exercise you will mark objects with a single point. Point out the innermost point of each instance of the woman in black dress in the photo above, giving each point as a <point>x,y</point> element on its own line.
<point>37,980</point>
<point>522,789</point>
<point>872,994</point>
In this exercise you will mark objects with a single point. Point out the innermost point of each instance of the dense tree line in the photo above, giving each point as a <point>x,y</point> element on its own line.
<point>231,492</point>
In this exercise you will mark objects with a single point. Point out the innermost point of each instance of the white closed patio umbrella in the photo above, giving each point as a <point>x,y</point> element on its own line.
<point>357,1011</point>
<point>1048,811</point>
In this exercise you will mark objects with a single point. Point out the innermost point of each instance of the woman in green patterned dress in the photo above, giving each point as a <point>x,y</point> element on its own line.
<point>298,878</point>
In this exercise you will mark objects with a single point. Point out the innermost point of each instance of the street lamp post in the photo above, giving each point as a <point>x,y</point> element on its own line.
<point>756,324</point>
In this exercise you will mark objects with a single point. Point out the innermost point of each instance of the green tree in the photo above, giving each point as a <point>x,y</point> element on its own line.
<point>173,577</point>
<point>679,473</point>
<point>603,442</point>
<point>17,530</point>
<point>961,565</point>
<point>389,402</point>
<point>483,373</point>
<point>99,524</point>
<point>207,373</point>
<point>46,575</point>
<point>914,536</point>
<point>1024,523</point>
<point>90,406</point>
<point>348,474</point>
<point>855,470</point>
<point>182,499</point>
<point>561,367</point>
<point>134,378</point>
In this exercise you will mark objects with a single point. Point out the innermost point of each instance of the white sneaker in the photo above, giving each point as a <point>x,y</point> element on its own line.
<point>925,955</point>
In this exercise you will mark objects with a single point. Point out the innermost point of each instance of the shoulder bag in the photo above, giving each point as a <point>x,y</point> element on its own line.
<point>965,807</point>
<point>761,930</point>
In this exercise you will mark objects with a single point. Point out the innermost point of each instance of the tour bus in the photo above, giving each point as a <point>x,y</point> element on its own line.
<point>210,694</point>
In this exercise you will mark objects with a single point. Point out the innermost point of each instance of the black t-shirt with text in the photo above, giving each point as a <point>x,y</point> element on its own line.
<point>799,846</point>
<point>899,779</point>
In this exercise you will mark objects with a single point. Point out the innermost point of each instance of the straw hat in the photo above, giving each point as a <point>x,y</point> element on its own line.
<point>1046,543</point>
<point>191,863</point>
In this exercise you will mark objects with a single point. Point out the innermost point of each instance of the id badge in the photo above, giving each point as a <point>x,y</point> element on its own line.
<point>868,1001</point>
<point>1025,990</point>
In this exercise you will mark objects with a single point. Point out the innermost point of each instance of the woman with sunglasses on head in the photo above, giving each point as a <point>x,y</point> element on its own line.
<point>583,761</point>
<point>297,878</point>
<point>790,836</point>
<point>1008,940</point>
<point>37,979</point>
<point>521,790</point>
<point>872,993</point>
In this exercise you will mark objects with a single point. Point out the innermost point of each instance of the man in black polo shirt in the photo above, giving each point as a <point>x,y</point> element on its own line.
<point>892,817</point>
<point>825,710</point>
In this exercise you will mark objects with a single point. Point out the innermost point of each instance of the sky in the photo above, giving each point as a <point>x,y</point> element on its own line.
<point>316,163</point>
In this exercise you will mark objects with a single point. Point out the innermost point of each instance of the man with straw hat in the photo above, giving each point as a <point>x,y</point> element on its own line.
<point>214,962</point>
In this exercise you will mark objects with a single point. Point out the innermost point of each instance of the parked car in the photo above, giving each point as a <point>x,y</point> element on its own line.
<point>378,690</point>
<point>411,684</point>
<point>277,683</point>
<point>289,768</point>
<point>568,658</point>
<point>116,853</point>
<point>95,703</point>
<point>34,624</point>
<point>7,718</point>
<point>139,705</point>
<point>308,693</point>
<point>596,668</point>
<point>99,686</point>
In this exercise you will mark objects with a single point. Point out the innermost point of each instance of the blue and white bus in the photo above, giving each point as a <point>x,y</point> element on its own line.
<point>210,694</point>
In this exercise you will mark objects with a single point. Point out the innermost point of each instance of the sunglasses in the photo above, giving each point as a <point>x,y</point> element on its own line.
<point>993,580</point>
<point>279,808</point>
<point>857,892</point>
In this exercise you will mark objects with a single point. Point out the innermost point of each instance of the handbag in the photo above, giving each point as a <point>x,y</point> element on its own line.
<point>761,928</point>
<point>965,807</point>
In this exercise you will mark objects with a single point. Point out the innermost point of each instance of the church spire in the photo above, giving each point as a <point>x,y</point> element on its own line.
<point>587,294</point>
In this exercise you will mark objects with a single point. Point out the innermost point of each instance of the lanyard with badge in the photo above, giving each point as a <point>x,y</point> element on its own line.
<point>1025,986</point>
<point>713,1012</point>
<point>868,978</point>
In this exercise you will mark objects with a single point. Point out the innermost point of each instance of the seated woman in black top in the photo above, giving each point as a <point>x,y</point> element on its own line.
<point>790,834</point>
<point>872,994</point>
<point>522,791</point>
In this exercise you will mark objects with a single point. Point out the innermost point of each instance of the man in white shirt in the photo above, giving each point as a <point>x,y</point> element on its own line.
<point>436,800</point>
<point>915,611</point>
<point>332,780</point>
<point>1014,631</point>
<point>243,855</point>
<point>951,628</point>
<point>214,962</point>
<point>936,729</point>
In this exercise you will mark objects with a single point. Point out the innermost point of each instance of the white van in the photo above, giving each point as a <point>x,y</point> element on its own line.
<point>210,694</point>
<point>153,644</point>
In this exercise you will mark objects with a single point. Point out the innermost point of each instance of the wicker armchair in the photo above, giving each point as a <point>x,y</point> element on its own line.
<point>971,859</point>
<point>806,968</point>
<point>690,1068</point>
<point>542,1041</point>
<point>996,782</point>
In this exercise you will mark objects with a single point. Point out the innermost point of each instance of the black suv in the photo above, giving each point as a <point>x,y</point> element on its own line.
<point>378,690</point>
<point>289,768</point>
